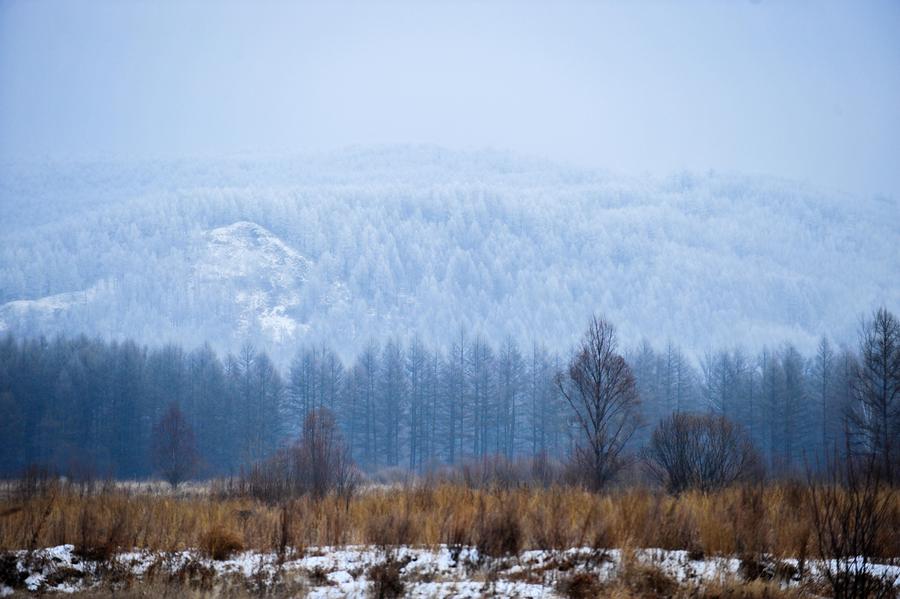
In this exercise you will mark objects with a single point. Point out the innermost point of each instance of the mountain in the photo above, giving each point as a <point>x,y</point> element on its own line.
<point>255,282</point>
<point>371,243</point>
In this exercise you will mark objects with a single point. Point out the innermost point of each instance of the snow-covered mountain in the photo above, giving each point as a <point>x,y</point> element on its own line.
<point>376,242</point>
<point>255,281</point>
<point>263,274</point>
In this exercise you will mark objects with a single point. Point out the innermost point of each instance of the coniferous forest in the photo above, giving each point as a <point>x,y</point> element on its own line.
<point>88,407</point>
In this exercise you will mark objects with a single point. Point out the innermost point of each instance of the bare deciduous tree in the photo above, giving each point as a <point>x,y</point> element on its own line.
<point>875,417</point>
<point>600,388</point>
<point>317,464</point>
<point>321,459</point>
<point>174,451</point>
<point>700,451</point>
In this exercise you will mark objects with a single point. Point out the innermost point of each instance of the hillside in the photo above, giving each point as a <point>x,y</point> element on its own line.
<point>391,241</point>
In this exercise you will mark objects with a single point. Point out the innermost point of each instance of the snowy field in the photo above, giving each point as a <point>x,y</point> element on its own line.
<point>441,572</point>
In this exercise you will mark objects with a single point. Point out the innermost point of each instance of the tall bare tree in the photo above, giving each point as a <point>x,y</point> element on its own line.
<point>876,414</point>
<point>174,452</point>
<point>600,388</point>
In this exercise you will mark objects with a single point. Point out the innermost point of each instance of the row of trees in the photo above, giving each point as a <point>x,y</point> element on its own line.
<point>85,405</point>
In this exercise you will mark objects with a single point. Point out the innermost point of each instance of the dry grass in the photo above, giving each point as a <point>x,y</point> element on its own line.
<point>735,521</point>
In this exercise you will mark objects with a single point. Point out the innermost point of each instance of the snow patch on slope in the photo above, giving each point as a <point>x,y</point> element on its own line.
<point>264,274</point>
<point>44,307</point>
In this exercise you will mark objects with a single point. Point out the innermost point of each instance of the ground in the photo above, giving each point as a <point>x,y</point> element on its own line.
<point>413,572</point>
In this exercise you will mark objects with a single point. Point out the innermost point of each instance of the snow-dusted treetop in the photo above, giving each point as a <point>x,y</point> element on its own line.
<point>397,240</point>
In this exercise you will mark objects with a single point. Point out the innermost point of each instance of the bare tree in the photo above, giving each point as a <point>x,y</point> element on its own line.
<point>700,451</point>
<point>174,451</point>
<point>600,388</point>
<point>850,510</point>
<point>321,459</point>
<point>875,417</point>
<point>317,464</point>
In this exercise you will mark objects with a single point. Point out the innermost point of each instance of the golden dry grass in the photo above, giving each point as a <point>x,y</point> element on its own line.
<point>740,520</point>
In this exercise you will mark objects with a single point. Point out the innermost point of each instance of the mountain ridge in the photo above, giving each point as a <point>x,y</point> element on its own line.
<point>498,247</point>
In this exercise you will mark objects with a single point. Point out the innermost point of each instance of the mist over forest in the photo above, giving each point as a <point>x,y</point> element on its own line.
<point>392,242</point>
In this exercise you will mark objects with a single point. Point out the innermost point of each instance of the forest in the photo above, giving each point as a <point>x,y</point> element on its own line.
<point>86,407</point>
<point>393,241</point>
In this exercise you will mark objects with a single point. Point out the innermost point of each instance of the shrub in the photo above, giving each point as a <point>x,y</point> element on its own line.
<point>319,463</point>
<point>221,543</point>
<point>646,580</point>
<point>386,579</point>
<point>500,532</point>
<point>35,480</point>
<point>702,452</point>
<point>10,575</point>
<point>580,585</point>
<point>848,510</point>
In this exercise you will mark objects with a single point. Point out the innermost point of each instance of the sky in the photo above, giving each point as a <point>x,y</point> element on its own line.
<point>802,90</point>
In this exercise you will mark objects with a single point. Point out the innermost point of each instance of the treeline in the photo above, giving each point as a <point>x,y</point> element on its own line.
<point>89,407</point>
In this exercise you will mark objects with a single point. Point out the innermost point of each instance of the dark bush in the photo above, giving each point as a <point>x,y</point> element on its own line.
<point>700,451</point>
<point>9,572</point>
<point>500,532</point>
<point>644,580</point>
<point>220,543</point>
<point>580,585</point>
<point>387,582</point>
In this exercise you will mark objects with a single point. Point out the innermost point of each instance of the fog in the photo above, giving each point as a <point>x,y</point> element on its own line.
<point>800,90</point>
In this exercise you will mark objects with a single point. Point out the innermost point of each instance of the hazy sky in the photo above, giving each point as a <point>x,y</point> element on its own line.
<point>806,90</point>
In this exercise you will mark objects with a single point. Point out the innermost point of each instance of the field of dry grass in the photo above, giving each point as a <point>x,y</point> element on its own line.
<point>772,519</point>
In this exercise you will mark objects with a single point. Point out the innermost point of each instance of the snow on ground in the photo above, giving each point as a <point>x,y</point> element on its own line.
<point>427,572</point>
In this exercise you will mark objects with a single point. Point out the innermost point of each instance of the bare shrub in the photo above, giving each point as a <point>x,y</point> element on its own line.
<point>499,530</point>
<point>579,585</point>
<point>35,480</point>
<point>646,580</point>
<point>700,451</point>
<point>92,546</point>
<point>387,582</point>
<point>499,472</point>
<point>318,464</point>
<point>766,568</point>
<point>848,510</point>
<point>221,543</point>
<point>321,460</point>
